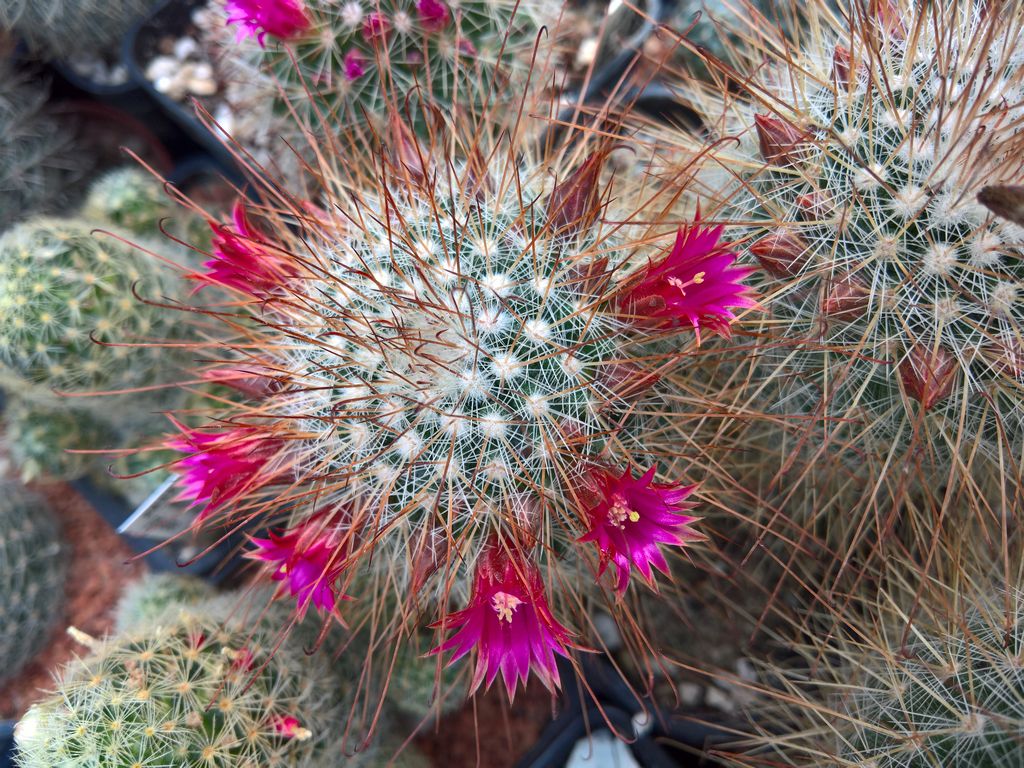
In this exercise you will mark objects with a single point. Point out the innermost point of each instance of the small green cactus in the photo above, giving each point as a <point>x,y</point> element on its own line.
<point>62,28</point>
<point>157,597</point>
<point>32,571</point>
<point>194,692</point>
<point>42,440</point>
<point>414,689</point>
<point>129,198</point>
<point>64,288</point>
<point>35,161</point>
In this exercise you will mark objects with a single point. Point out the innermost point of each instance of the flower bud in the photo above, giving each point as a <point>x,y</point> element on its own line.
<point>626,381</point>
<point>782,254</point>
<point>780,142</point>
<point>574,203</point>
<point>434,15</point>
<point>928,374</point>
<point>1004,201</point>
<point>887,14</point>
<point>375,27</point>
<point>814,206</point>
<point>407,155</point>
<point>847,298</point>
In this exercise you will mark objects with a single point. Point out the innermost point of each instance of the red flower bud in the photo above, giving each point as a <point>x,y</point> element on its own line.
<point>781,254</point>
<point>814,206</point>
<point>626,380</point>
<point>426,556</point>
<point>928,374</point>
<point>780,142</point>
<point>574,203</point>
<point>375,27</point>
<point>408,156</point>
<point>841,66</point>
<point>1004,201</point>
<point>887,14</point>
<point>847,298</point>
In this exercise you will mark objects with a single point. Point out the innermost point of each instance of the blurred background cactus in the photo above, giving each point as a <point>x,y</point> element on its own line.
<point>43,440</point>
<point>36,156</point>
<point>62,28</point>
<point>68,309</point>
<point>197,690</point>
<point>32,570</point>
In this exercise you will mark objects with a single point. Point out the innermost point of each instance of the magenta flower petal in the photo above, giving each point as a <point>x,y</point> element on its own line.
<point>434,15</point>
<point>375,27</point>
<point>222,465</point>
<point>309,559</point>
<point>632,516</point>
<point>508,623</point>
<point>284,19</point>
<point>354,65</point>
<point>696,283</point>
<point>243,260</point>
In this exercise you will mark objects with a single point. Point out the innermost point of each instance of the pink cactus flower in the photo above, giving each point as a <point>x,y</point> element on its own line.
<point>222,465</point>
<point>695,283</point>
<point>243,260</point>
<point>375,27</point>
<point>632,516</point>
<point>310,558</point>
<point>284,19</point>
<point>508,622</point>
<point>289,727</point>
<point>434,15</point>
<point>355,65</point>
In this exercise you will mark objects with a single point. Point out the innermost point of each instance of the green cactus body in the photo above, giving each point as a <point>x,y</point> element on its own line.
<point>32,571</point>
<point>61,288</point>
<point>43,441</point>
<point>414,688</point>
<point>895,296</point>
<point>192,692</point>
<point>952,700</point>
<point>357,58</point>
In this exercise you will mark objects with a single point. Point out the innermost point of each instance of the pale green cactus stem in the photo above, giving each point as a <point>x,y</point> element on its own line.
<point>32,572</point>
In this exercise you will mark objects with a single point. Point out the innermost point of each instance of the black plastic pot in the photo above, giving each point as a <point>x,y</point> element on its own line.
<point>217,565</point>
<point>655,738</point>
<point>170,18</point>
<point>7,743</point>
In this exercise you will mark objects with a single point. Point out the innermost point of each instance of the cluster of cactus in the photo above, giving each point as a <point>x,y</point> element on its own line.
<point>32,571</point>
<point>895,295</point>
<point>62,28</point>
<point>35,157</point>
<point>192,690</point>
<point>131,199</point>
<point>350,62</point>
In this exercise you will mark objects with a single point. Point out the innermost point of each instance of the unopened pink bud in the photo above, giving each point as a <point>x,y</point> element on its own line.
<point>928,374</point>
<point>782,254</point>
<point>847,298</point>
<point>574,204</point>
<point>780,142</point>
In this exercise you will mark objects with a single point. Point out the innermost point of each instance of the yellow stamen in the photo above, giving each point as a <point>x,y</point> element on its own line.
<point>505,605</point>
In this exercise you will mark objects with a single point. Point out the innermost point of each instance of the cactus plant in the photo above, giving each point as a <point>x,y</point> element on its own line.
<point>35,157</point>
<point>62,28</point>
<point>195,691</point>
<point>42,440</point>
<point>895,320</point>
<point>64,288</point>
<point>32,570</point>
<point>442,375</point>
<point>159,597</point>
<point>350,61</point>
<point>954,699</point>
